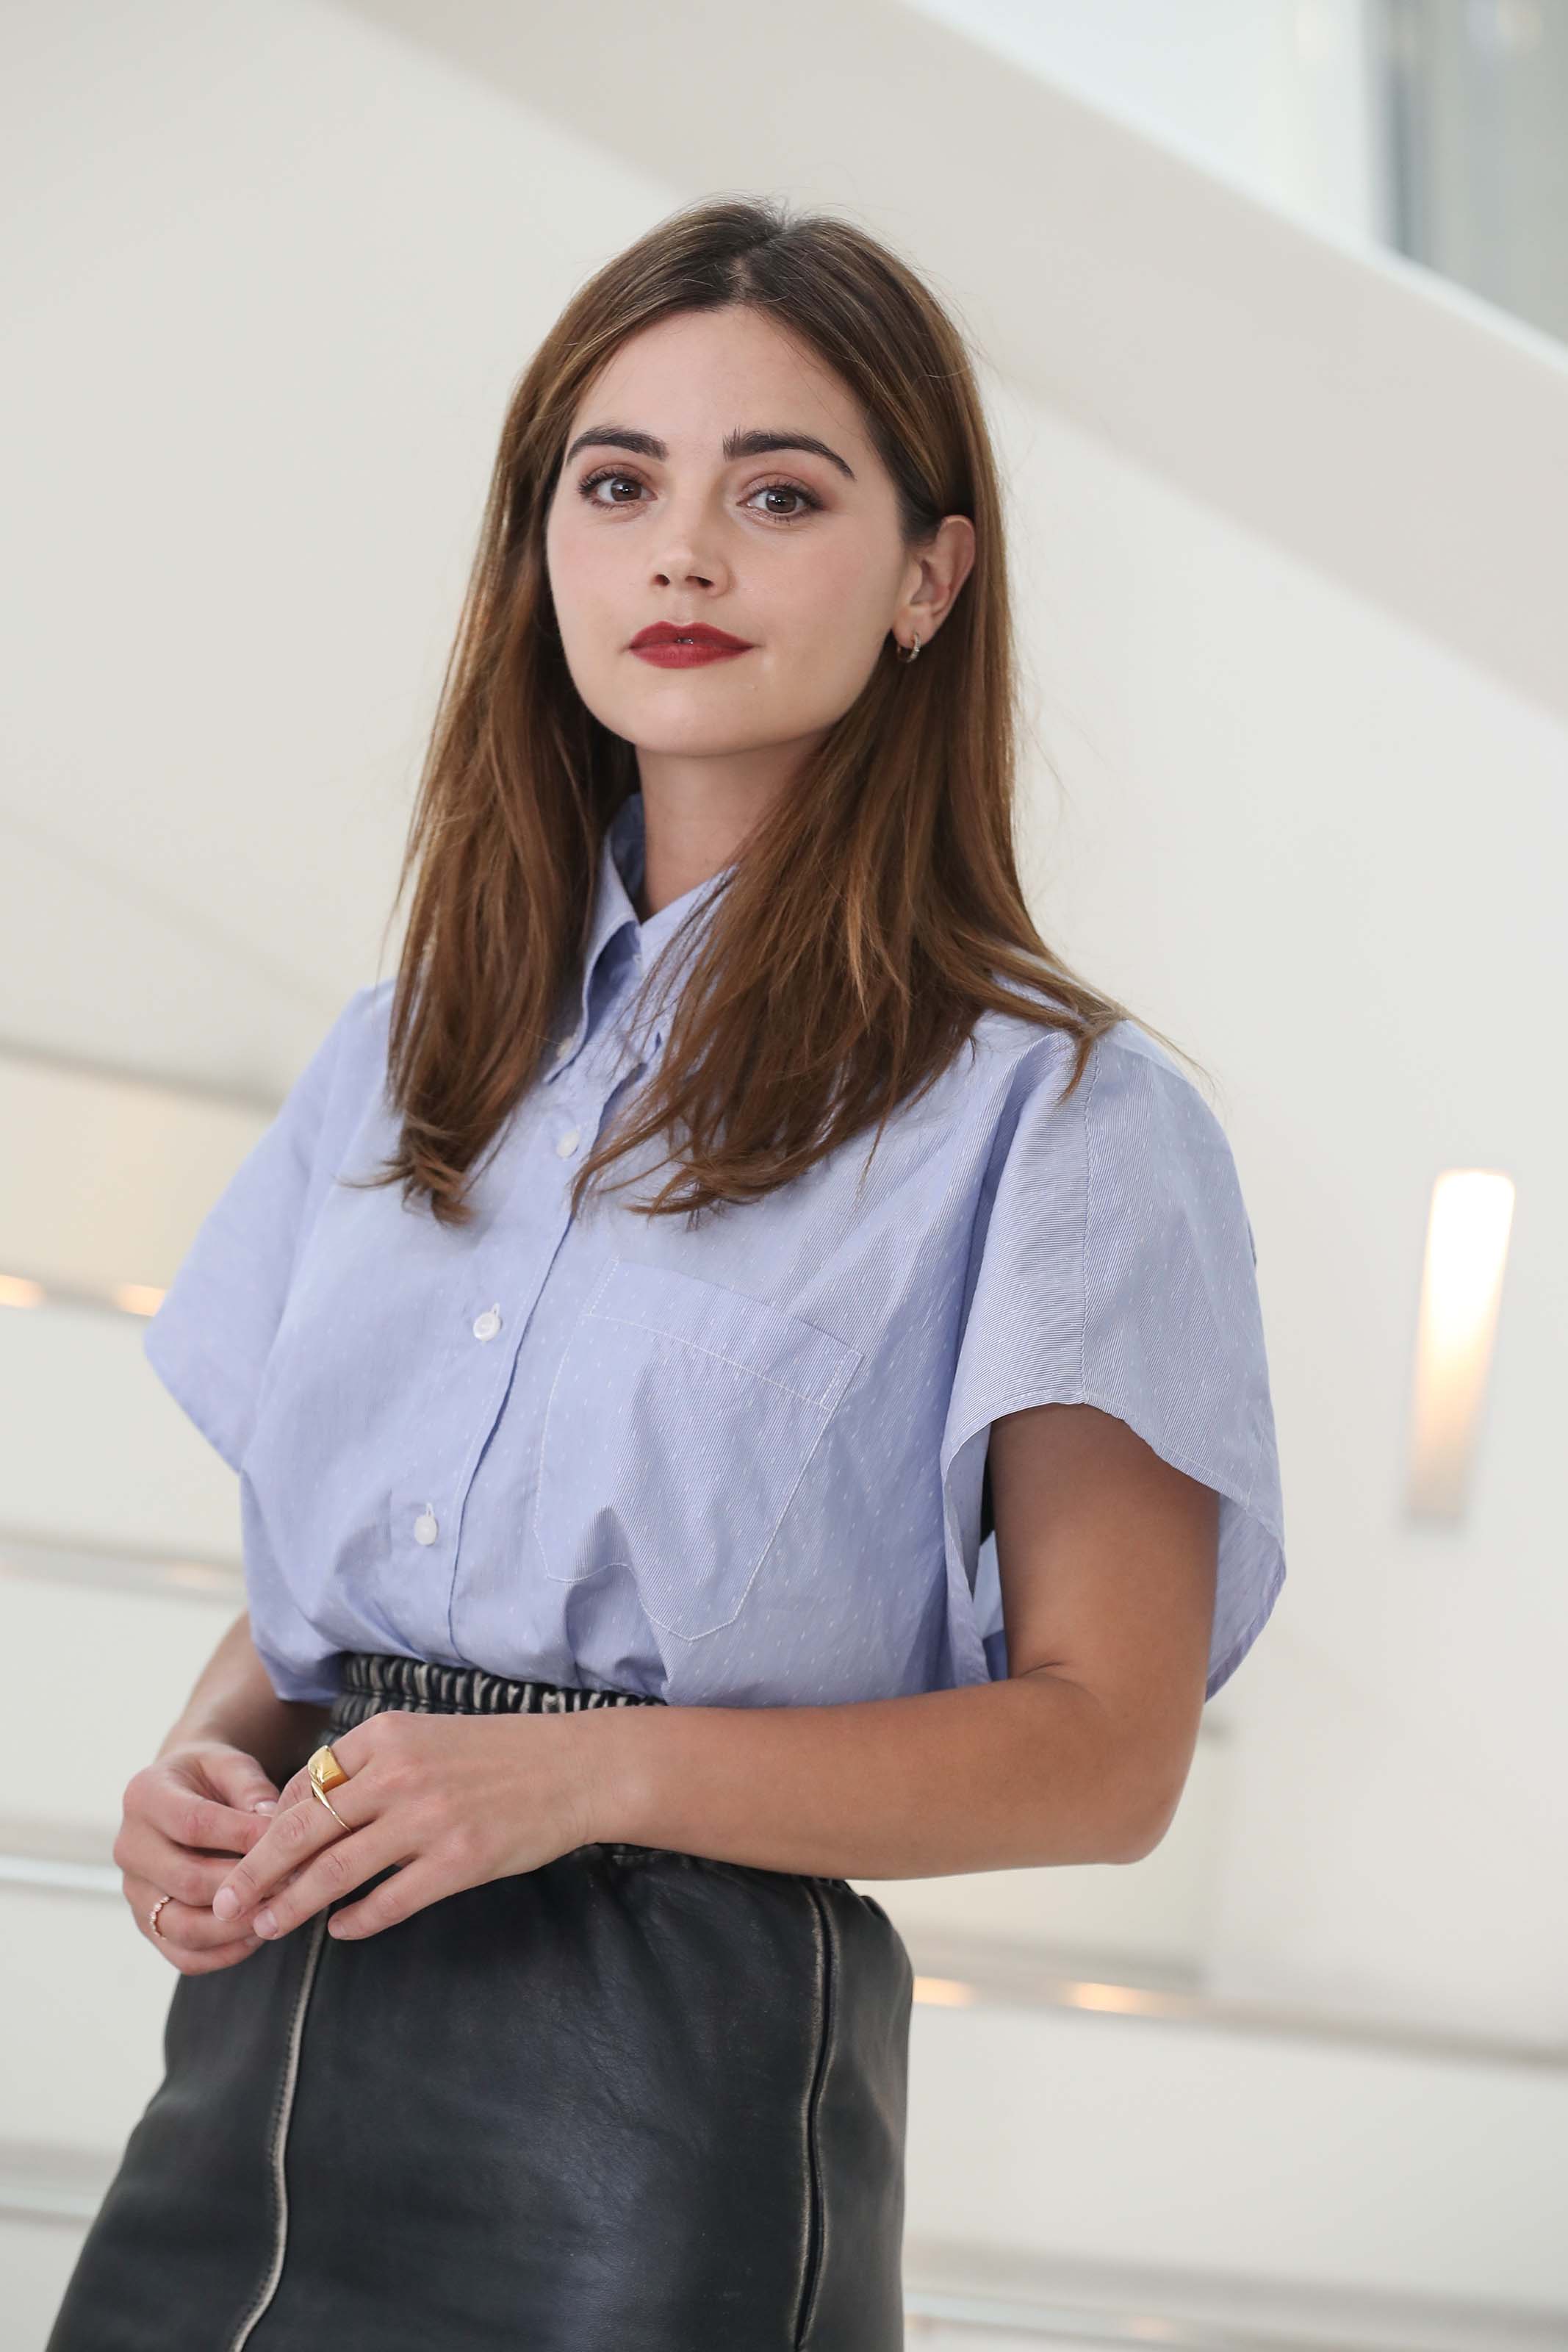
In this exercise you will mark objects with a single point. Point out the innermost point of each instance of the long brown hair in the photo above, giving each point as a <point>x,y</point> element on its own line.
<point>875,910</point>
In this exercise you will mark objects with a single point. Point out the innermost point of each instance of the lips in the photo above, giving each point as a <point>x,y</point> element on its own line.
<point>695,632</point>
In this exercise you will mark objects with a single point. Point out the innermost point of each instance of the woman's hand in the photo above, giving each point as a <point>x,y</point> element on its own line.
<point>185,1816</point>
<point>455,1800</point>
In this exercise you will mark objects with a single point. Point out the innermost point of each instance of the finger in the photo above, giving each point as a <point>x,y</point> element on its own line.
<point>193,1879</point>
<point>144,1852</point>
<point>238,1780</point>
<point>185,1928</point>
<point>296,1792</point>
<point>334,1872</point>
<point>293,1840</point>
<point>303,1826</point>
<point>207,1964</point>
<point>346,1864</point>
<point>399,1896</point>
<point>188,1818</point>
<point>142,1847</point>
<point>192,1963</point>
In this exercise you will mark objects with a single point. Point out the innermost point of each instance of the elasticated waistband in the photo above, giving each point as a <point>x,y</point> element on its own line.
<point>374,1680</point>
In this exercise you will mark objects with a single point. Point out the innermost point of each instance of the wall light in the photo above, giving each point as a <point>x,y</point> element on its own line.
<point>1467,1250</point>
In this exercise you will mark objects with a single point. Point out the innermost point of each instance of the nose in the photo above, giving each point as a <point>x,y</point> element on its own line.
<point>687,553</point>
<point>681,570</point>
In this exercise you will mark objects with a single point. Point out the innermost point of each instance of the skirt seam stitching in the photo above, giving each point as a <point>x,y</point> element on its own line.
<point>282,2115</point>
<point>816,2248</point>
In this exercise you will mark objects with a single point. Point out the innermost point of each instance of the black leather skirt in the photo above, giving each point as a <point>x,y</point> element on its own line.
<point>632,2101</point>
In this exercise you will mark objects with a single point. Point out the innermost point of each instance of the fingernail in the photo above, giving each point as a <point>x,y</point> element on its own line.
<point>266,1923</point>
<point>225,1903</point>
<point>267,1806</point>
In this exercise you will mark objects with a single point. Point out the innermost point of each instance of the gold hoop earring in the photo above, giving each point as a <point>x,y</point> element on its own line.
<point>910,653</point>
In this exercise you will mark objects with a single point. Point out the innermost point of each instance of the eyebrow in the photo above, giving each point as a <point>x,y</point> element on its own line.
<point>734,444</point>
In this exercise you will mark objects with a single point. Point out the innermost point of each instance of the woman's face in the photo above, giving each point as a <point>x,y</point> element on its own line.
<point>794,548</point>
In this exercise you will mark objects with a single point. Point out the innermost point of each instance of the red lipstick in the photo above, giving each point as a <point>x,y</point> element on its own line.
<point>671,644</point>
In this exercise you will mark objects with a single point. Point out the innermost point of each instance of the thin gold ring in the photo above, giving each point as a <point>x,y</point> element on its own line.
<point>331,1808</point>
<point>153,1917</point>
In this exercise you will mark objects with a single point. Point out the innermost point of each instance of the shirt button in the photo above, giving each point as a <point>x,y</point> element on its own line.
<point>566,1144</point>
<point>563,1049</point>
<point>424,1527</point>
<point>486,1325</point>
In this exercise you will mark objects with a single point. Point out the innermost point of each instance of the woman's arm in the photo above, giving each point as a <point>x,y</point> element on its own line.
<point>234,1701</point>
<point>999,1776</point>
<point>1107,1561</point>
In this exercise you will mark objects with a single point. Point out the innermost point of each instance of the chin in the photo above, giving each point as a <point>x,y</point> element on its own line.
<point>701,738</point>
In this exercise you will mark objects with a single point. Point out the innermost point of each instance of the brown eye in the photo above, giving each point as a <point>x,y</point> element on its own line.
<point>607,474</point>
<point>787,489</point>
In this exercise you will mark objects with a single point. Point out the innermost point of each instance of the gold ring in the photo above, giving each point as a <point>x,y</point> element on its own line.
<point>325,1769</point>
<point>152,1915</point>
<point>325,1772</point>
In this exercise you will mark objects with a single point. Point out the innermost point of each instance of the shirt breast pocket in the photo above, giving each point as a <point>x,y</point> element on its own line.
<point>680,1419</point>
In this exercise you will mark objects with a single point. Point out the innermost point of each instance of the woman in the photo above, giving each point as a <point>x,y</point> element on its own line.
<point>612,1553</point>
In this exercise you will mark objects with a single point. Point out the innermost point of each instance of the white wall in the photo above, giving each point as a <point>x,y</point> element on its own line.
<point>1275,95</point>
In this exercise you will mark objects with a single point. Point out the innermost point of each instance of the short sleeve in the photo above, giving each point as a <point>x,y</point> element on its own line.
<point>1117,1267</point>
<point>210,1338</point>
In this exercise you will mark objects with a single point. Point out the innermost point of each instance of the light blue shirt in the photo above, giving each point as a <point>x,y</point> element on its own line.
<point>738,1464</point>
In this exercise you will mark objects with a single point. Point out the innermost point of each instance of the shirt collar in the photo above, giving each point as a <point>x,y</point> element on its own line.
<point>615,918</point>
